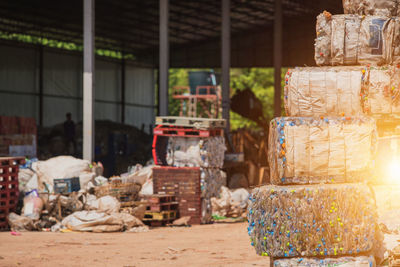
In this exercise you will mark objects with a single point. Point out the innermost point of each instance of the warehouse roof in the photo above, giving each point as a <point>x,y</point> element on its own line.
<point>132,27</point>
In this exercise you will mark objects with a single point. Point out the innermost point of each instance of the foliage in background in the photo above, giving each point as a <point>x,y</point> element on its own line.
<point>25,38</point>
<point>259,80</point>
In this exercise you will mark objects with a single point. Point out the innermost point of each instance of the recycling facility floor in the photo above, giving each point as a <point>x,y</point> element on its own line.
<point>199,245</point>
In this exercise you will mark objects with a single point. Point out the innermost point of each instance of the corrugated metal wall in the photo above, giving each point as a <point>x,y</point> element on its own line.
<point>62,87</point>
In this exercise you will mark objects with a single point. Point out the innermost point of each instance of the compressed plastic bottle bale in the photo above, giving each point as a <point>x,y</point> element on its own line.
<point>361,261</point>
<point>388,8</point>
<point>342,90</point>
<point>313,220</point>
<point>353,39</point>
<point>211,180</point>
<point>196,152</point>
<point>305,150</point>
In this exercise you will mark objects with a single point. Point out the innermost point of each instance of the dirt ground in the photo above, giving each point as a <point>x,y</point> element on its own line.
<point>202,245</point>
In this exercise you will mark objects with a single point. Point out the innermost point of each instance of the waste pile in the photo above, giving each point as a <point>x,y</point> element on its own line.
<point>230,203</point>
<point>52,202</point>
<point>319,205</point>
<point>118,145</point>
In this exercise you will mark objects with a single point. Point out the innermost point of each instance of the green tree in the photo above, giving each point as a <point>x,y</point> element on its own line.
<point>259,80</point>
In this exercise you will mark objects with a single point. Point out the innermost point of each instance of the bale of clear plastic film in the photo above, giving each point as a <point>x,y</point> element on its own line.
<point>342,91</point>
<point>196,152</point>
<point>313,220</point>
<point>353,40</point>
<point>306,150</point>
<point>211,180</point>
<point>388,8</point>
<point>361,261</point>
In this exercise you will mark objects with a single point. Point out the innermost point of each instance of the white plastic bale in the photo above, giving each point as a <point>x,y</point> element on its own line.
<point>305,150</point>
<point>313,220</point>
<point>361,261</point>
<point>353,39</point>
<point>386,8</point>
<point>196,152</point>
<point>342,90</point>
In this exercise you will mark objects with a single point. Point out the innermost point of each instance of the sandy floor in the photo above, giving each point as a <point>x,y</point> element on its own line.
<point>205,245</point>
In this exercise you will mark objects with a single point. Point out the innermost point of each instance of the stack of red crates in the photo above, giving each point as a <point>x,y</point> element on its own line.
<point>27,125</point>
<point>183,182</point>
<point>9,192</point>
<point>17,125</point>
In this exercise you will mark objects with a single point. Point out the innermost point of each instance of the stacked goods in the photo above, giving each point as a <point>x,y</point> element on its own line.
<point>17,136</point>
<point>354,39</point>
<point>386,8</point>
<point>306,150</point>
<point>192,143</point>
<point>317,206</point>
<point>184,184</point>
<point>350,90</point>
<point>313,220</point>
<point>9,193</point>
<point>206,153</point>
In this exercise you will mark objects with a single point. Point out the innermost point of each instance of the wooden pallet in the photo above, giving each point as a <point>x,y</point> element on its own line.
<point>197,123</point>
<point>159,216</point>
<point>162,207</point>
<point>158,223</point>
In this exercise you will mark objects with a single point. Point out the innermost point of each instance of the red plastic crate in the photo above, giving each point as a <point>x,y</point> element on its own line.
<point>184,183</point>
<point>162,132</point>
<point>9,125</point>
<point>9,191</point>
<point>27,125</point>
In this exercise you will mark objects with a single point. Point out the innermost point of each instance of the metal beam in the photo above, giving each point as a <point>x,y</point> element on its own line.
<point>164,58</point>
<point>123,90</point>
<point>277,57</point>
<point>88,79</point>
<point>41,85</point>
<point>226,60</point>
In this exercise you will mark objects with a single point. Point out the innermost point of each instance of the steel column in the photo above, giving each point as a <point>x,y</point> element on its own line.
<point>88,79</point>
<point>123,91</point>
<point>41,85</point>
<point>277,57</point>
<point>164,58</point>
<point>226,60</point>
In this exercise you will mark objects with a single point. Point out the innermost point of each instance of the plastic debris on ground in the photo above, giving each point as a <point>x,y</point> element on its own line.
<point>81,210</point>
<point>314,220</point>
<point>230,203</point>
<point>305,150</point>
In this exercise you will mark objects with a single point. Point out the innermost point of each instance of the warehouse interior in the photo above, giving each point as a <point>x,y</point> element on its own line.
<point>88,142</point>
<point>45,71</point>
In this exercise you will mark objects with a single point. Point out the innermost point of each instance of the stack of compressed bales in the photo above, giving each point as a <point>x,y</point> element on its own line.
<point>319,212</point>
<point>206,153</point>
